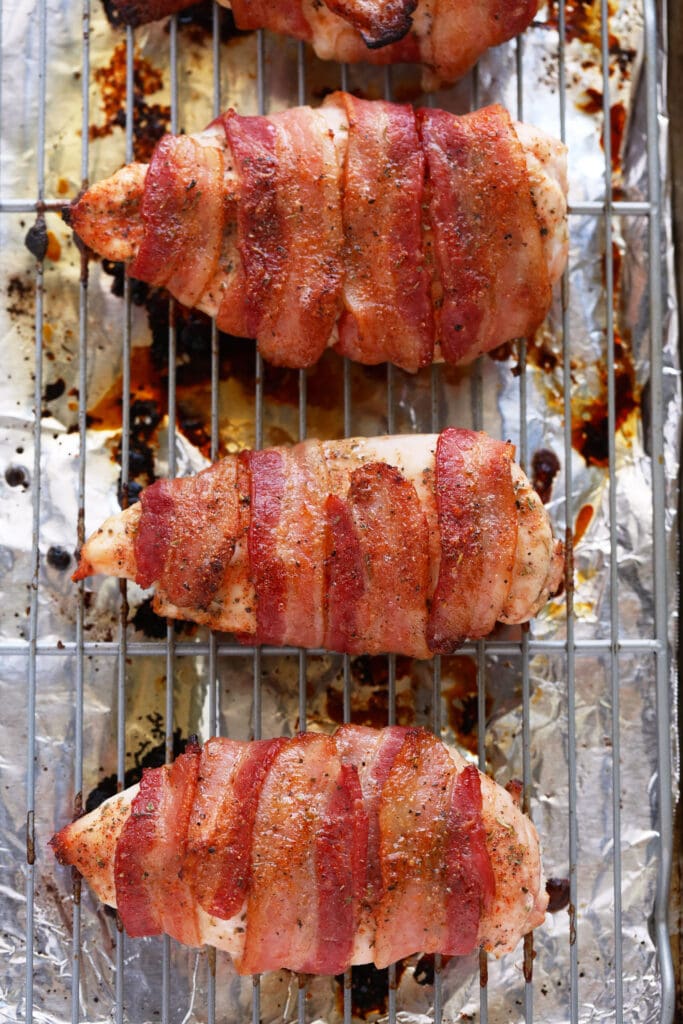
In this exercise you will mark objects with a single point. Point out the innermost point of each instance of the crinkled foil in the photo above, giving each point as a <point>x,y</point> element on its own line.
<point>519,395</point>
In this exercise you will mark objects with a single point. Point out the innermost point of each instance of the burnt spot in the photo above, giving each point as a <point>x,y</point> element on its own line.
<point>369,693</point>
<point>369,990</point>
<point>150,120</point>
<point>196,22</point>
<point>147,755</point>
<point>590,434</point>
<point>117,270</point>
<point>130,494</point>
<point>59,558</point>
<point>582,21</point>
<point>460,691</point>
<point>148,622</point>
<point>558,894</point>
<point>54,390</point>
<point>36,240</point>
<point>18,476</point>
<point>545,466</point>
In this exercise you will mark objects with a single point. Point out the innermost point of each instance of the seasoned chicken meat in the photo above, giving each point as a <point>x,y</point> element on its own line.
<point>446,36</point>
<point>390,234</point>
<point>317,852</point>
<point>407,544</point>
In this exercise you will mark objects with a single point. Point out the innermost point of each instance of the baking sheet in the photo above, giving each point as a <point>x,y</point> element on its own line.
<point>113,700</point>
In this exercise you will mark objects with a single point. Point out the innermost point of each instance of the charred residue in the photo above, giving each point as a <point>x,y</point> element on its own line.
<point>582,20</point>
<point>369,693</point>
<point>54,390</point>
<point>369,990</point>
<point>148,755</point>
<point>558,894</point>
<point>36,240</point>
<point>460,692</point>
<point>591,102</point>
<point>545,466</point>
<point>590,433</point>
<point>58,558</point>
<point>154,626</point>
<point>18,476</point>
<point>150,120</point>
<point>196,22</point>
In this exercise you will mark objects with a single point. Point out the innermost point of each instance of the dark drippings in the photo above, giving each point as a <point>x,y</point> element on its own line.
<point>545,466</point>
<point>558,894</point>
<point>150,120</point>
<point>369,990</point>
<point>148,755</point>
<point>590,434</point>
<point>58,558</point>
<point>17,476</point>
<point>36,240</point>
<point>369,694</point>
<point>54,390</point>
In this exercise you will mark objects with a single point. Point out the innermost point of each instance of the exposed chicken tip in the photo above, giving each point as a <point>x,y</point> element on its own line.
<point>61,848</point>
<point>84,570</point>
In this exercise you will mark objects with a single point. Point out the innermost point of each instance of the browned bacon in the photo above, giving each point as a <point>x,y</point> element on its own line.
<point>217,860</point>
<point>489,253</point>
<point>317,852</point>
<point>152,896</point>
<point>289,232</point>
<point>387,304</point>
<point>478,522</point>
<point>377,564</point>
<point>378,24</point>
<point>182,214</point>
<point>446,36</point>
<point>393,237</point>
<point>409,544</point>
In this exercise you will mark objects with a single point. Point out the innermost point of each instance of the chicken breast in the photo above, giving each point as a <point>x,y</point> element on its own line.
<point>407,544</point>
<point>317,852</point>
<point>391,234</point>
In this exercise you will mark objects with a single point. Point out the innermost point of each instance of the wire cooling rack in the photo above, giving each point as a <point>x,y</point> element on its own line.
<point>213,652</point>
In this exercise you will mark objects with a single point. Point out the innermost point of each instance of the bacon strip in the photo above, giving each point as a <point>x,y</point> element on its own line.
<point>372,755</point>
<point>471,882</point>
<point>378,25</point>
<point>413,815</point>
<point>377,580</point>
<point>287,543</point>
<point>478,524</point>
<point>304,898</point>
<point>267,492</point>
<point>289,225</point>
<point>187,534</point>
<point>182,214</point>
<point>261,239</point>
<point>387,314</point>
<point>487,244</point>
<point>217,864</point>
<point>151,896</point>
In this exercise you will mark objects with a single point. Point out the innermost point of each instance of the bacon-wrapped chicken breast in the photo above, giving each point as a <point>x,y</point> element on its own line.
<point>446,36</point>
<point>391,234</point>
<point>407,544</point>
<point>317,852</point>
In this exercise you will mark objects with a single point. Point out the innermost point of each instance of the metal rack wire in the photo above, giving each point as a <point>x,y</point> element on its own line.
<point>171,650</point>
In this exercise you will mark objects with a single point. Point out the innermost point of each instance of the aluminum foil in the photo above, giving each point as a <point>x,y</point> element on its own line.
<point>519,394</point>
